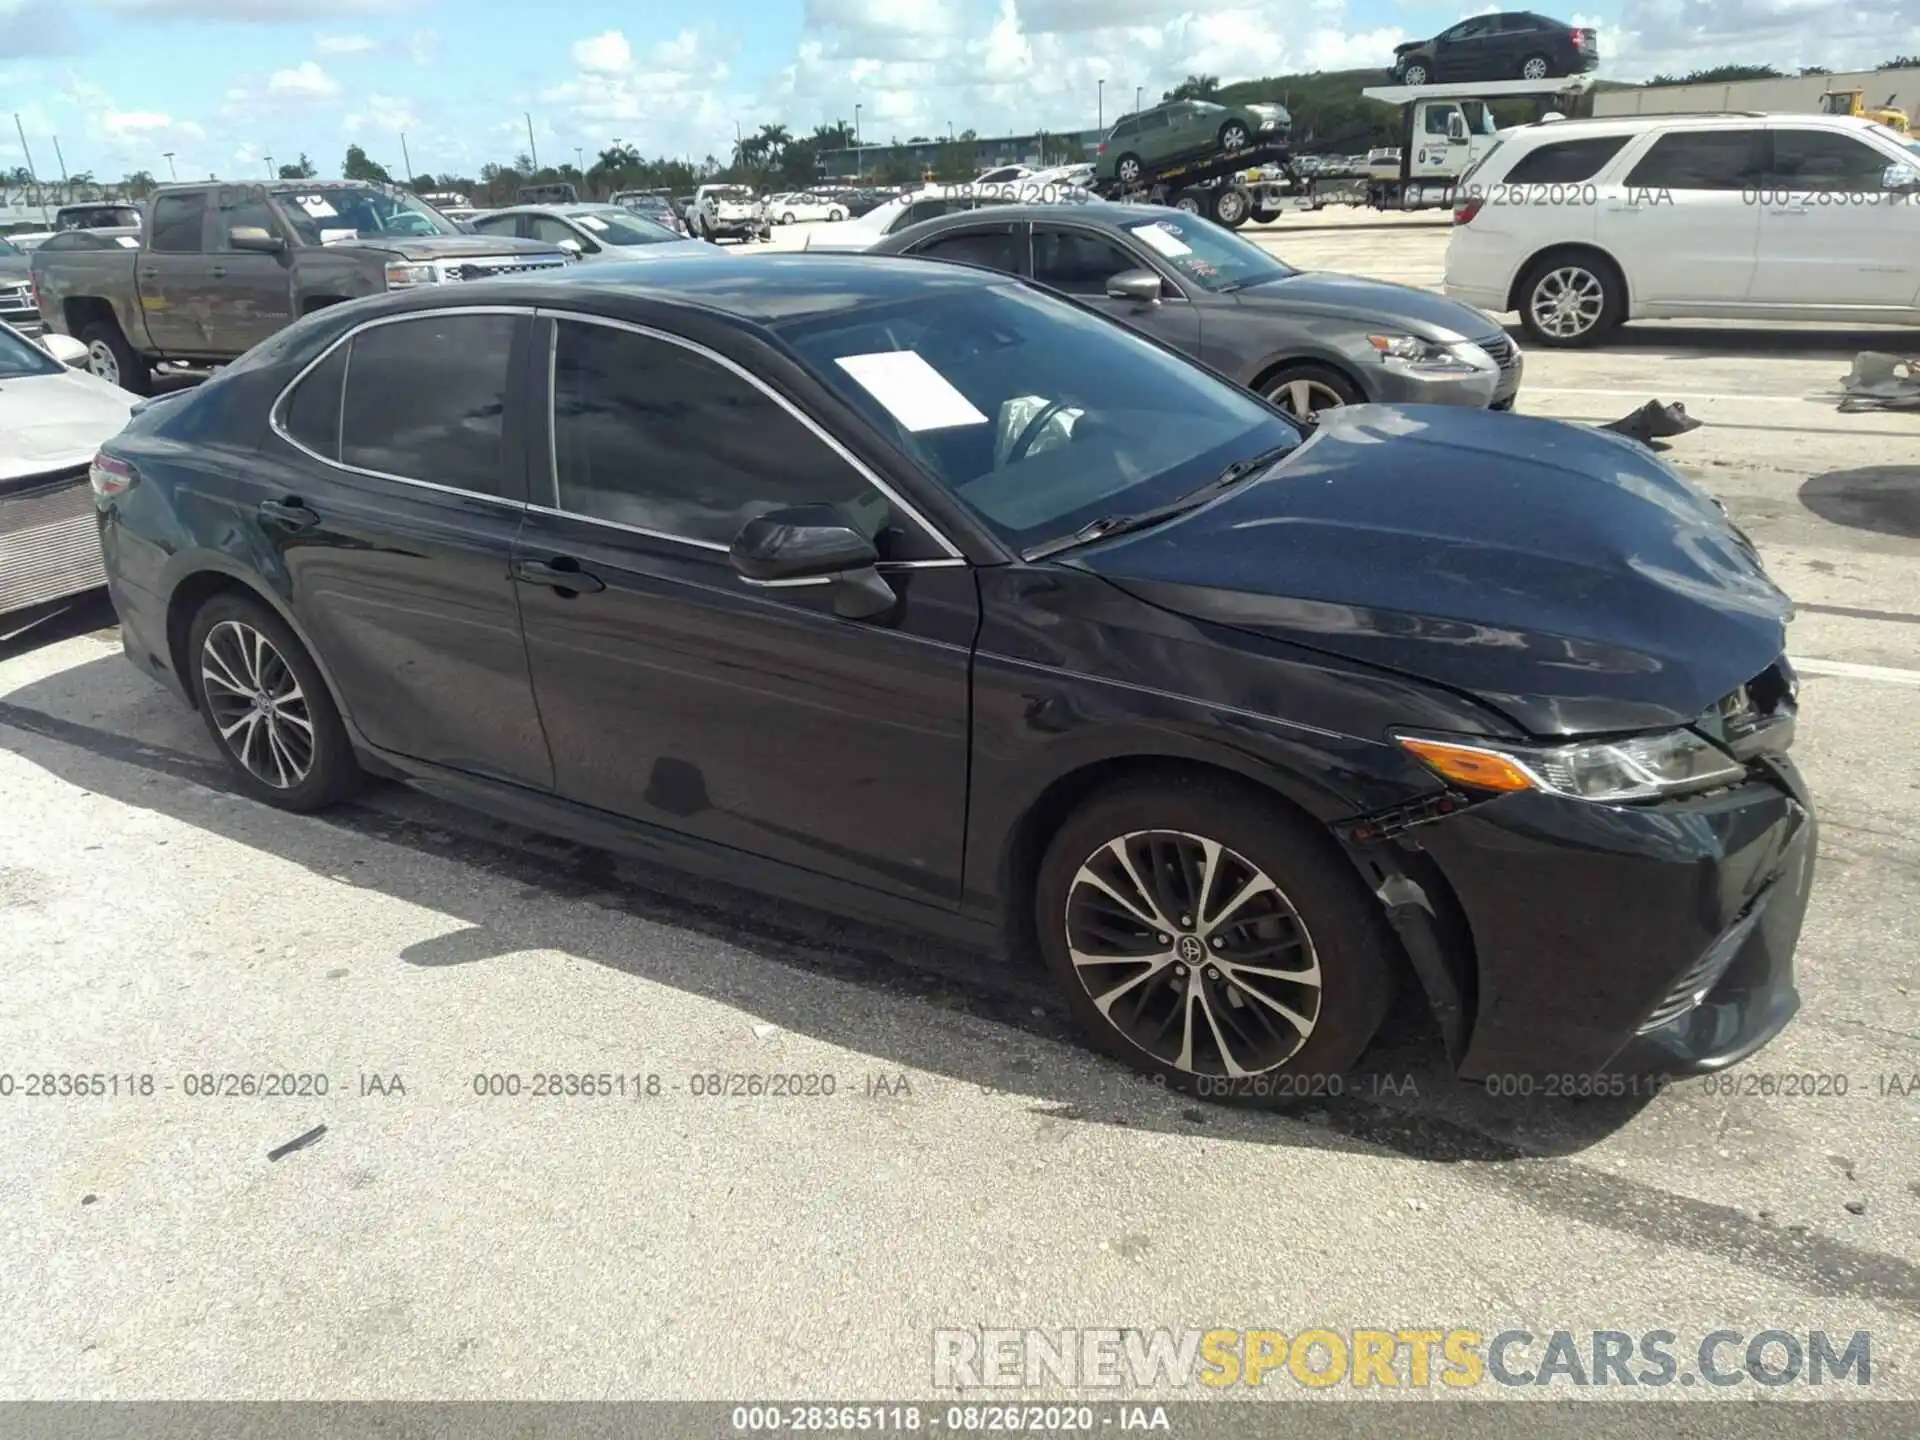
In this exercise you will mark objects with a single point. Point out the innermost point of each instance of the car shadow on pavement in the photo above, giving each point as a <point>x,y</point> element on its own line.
<point>1403,1097</point>
<point>1722,342</point>
<point>1882,498</point>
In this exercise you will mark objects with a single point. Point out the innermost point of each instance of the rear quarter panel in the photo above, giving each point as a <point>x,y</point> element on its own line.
<point>108,276</point>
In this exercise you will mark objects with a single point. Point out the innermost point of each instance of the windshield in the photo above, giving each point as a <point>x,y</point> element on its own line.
<point>733,194</point>
<point>1905,142</point>
<point>20,357</point>
<point>328,213</point>
<point>1038,415</point>
<point>1213,258</point>
<point>621,227</point>
<point>7,247</point>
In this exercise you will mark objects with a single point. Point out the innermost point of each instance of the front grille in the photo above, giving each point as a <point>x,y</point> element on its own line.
<point>487,269</point>
<point>49,540</point>
<point>1697,983</point>
<point>1501,349</point>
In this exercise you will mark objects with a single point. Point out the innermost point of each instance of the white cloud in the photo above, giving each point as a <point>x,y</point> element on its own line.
<point>1675,36</point>
<point>253,12</point>
<point>605,54</point>
<point>305,81</point>
<point>332,45</point>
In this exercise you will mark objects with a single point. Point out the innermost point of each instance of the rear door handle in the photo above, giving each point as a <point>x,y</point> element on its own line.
<point>290,513</point>
<point>563,573</point>
<point>218,272</point>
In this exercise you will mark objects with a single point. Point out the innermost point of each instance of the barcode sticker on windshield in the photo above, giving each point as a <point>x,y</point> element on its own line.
<point>334,237</point>
<point>914,393</point>
<point>317,206</point>
<point>1162,239</point>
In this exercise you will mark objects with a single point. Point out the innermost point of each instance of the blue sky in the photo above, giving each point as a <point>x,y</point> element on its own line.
<point>225,83</point>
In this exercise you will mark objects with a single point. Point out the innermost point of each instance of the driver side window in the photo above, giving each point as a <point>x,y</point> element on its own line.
<point>557,232</point>
<point>1077,261</point>
<point>658,437</point>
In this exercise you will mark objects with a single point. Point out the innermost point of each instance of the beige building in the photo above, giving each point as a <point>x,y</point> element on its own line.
<point>1795,96</point>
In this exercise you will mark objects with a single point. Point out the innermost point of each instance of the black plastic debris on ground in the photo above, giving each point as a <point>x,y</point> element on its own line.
<point>1654,422</point>
<point>1879,381</point>
<point>299,1142</point>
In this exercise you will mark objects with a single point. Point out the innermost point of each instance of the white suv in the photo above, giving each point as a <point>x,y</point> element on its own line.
<point>1581,224</point>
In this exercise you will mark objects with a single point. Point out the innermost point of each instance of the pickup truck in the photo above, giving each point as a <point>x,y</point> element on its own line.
<point>213,269</point>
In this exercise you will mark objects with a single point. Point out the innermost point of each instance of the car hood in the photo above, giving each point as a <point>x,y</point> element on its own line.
<point>664,250</point>
<point>1562,575</point>
<point>15,269</point>
<point>54,422</point>
<point>855,234</point>
<point>1373,302</point>
<point>1411,46</point>
<point>441,247</point>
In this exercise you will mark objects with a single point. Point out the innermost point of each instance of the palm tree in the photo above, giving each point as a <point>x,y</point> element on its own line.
<point>1194,87</point>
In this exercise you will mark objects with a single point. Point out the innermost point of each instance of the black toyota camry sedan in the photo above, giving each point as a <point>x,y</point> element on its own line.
<point>915,592</point>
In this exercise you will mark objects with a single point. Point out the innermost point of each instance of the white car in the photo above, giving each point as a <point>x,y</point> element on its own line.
<point>1583,224</point>
<point>591,232</point>
<point>794,208</point>
<point>53,419</point>
<point>910,209</point>
<point>729,210</point>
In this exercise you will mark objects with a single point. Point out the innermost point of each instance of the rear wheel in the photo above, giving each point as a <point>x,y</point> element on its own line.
<point>1191,201</point>
<point>113,360</point>
<point>1304,391</point>
<point>267,707</point>
<point>1572,300</point>
<point>787,219</point>
<point>836,214</point>
<point>1234,135</point>
<point>1205,933</point>
<point>1536,67</point>
<point>1231,206</point>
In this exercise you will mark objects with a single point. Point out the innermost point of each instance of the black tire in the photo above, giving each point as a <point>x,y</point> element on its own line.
<point>1536,67</point>
<point>1230,206</point>
<point>1581,273</point>
<point>1416,72</point>
<point>835,215</point>
<point>1194,202</point>
<point>1127,170</point>
<point>1318,387</point>
<point>332,772</point>
<point>109,345</point>
<point>787,219</point>
<point>1234,135</point>
<point>1348,938</point>
<point>1264,217</point>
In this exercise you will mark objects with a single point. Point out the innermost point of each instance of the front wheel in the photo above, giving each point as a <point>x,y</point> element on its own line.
<point>836,215</point>
<point>1233,136</point>
<point>1304,391</point>
<point>1205,933</point>
<point>1569,301</point>
<point>1416,73</point>
<point>1536,67</point>
<point>787,219</point>
<point>267,707</point>
<point>111,358</point>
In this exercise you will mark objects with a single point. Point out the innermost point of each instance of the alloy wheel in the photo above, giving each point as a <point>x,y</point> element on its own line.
<point>102,362</point>
<point>257,705</point>
<point>1234,137</point>
<point>1535,68</point>
<point>1188,203</point>
<point>1193,954</point>
<point>1303,399</point>
<point>1568,301</point>
<point>1129,170</point>
<point>1415,75</point>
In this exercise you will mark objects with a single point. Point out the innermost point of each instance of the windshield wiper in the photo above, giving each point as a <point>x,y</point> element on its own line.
<point>1108,526</point>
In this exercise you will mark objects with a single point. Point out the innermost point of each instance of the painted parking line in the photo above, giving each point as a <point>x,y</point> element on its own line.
<point>1847,670</point>
<point>1690,395</point>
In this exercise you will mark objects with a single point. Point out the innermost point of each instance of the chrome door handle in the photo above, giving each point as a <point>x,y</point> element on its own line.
<point>218,272</point>
<point>290,513</point>
<point>563,573</point>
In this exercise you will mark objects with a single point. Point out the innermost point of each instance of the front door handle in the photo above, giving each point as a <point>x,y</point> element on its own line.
<point>218,272</point>
<point>290,513</point>
<point>563,573</point>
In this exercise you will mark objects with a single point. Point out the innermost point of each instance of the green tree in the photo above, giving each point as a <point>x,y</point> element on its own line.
<point>301,169</point>
<point>1900,62</point>
<point>1719,75</point>
<point>138,185</point>
<point>1194,87</point>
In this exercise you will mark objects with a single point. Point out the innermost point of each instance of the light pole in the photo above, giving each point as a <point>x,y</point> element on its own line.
<point>168,156</point>
<point>1136,98</point>
<point>406,160</point>
<point>859,170</point>
<point>533,152</point>
<point>1100,112</point>
<point>270,167</point>
<point>949,132</point>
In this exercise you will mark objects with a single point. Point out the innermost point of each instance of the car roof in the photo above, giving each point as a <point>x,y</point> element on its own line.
<point>1098,212</point>
<point>1684,119</point>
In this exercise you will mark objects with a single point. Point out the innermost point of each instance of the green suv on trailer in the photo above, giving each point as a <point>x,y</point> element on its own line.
<point>1184,130</point>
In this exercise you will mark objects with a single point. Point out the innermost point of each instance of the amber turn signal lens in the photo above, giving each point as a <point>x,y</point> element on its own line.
<point>1462,764</point>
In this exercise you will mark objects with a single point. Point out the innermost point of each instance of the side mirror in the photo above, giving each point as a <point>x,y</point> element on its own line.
<point>255,240</point>
<point>814,542</point>
<point>1456,129</point>
<point>1140,285</point>
<point>1900,180</point>
<point>571,244</point>
<point>64,348</point>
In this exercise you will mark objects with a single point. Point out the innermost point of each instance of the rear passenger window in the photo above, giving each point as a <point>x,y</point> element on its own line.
<point>1566,162</point>
<point>312,416</point>
<point>993,249</point>
<point>1701,160</point>
<point>426,400</point>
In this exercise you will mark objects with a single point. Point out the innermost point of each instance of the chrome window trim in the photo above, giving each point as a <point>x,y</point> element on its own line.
<point>901,506</point>
<point>276,415</point>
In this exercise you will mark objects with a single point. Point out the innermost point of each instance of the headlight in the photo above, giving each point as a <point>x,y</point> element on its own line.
<point>1644,767</point>
<point>1431,357</point>
<point>401,274</point>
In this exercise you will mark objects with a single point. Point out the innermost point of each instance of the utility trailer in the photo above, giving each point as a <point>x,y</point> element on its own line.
<point>1445,130</point>
<point>1210,185</point>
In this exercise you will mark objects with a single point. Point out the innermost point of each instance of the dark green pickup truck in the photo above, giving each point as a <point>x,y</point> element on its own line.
<point>217,268</point>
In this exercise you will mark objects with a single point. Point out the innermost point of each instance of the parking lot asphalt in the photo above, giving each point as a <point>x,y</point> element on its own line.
<point>974,1166</point>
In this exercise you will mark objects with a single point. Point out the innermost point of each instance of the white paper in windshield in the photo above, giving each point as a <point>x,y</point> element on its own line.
<point>1162,239</point>
<point>317,206</point>
<point>128,242</point>
<point>593,222</point>
<point>334,237</point>
<point>914,393</point>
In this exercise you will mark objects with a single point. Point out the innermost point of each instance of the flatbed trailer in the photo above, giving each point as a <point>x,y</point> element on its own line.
<point>1209,186</point>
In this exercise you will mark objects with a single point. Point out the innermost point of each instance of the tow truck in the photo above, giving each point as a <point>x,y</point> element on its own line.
<point>1444,131</point>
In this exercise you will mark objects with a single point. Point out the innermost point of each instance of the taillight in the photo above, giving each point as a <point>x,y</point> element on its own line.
<point>1103,148</point>
<point>1580,37</point>
<point>109,476</point>
<point>1463,214</point>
